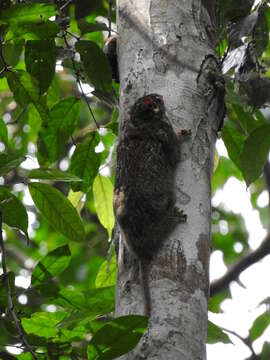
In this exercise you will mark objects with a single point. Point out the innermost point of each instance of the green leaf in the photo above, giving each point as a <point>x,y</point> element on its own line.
<point>57,210</point>
<point>225,169</point>
<point>22,13</point>
<point>62,122</point>
<point>85,162</point>
<point>11,53</point>
<point>13,211</point>
<point>107,274</point>
<point>117,337</point>
<point>52,174</point>
<point>216,334</point>
<point>40,60</point>
<point>3,290</point>
<point>25,90</point>
<point>87,27</point>
<point>51,265</point>
<point>43,323</point>
<point>234,141</point>
<point>113,124</point>
<point>103,198</point>
<point>254,155</point>
<point>96,64</point>
<point>29,21</point>
<point>215,301</point>
<point>42,30</point>
<point>9,162</point>
<point>76,199</point>
<point>265,355</point>
<point>259,325</point>
<point>24,356</point>
<point>53,93</point>
<point>3,132</point>
<point>100,301</point>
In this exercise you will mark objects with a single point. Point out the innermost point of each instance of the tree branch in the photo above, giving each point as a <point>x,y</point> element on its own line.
<point>9,296</point>
<point>76,72</point>
<point>246,341</point>
<point>235,270</point>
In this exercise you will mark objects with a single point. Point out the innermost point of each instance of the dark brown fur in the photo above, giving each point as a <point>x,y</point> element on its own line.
<point>144,199</point>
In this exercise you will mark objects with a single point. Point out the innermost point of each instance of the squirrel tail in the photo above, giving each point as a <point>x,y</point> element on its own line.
<point>144,281</point>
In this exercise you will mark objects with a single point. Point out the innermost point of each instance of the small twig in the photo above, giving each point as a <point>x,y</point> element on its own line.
<point>78,80</point>
<point>9,296</point>
<point>242,264</point>
<point>110,17</point>
<point>72,35</point>
<point>62,8</point>
<point>18,117</point>
<point>6,66</point>
<point>246,341</point>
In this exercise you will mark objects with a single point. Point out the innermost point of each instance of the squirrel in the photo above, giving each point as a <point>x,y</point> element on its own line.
<point>144,196</point>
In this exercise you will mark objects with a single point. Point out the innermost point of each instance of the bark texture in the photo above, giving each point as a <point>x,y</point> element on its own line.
<point>161,47</point>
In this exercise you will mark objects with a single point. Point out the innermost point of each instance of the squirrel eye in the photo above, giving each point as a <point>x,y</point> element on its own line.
<point>148,101</point>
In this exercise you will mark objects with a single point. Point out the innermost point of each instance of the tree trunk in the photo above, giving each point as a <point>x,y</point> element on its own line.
<point>161,49</point>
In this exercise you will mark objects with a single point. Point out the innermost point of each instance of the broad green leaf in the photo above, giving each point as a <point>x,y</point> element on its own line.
<point>62,122</point>
<point>216,160</point>
<point>117,337</point>
<point>22,13</point>
<point>53,93</point>
<point>13,211</point>
<point>40,60</point>
<point>254,155</point>
<point>216,334</point>
<point>3,291</point>
<point>236,230</point>
<point>76,334</point>
<point>259,325</point>
<point>225,169</point>
<point>11,53</point>
<point>96,64</point>
<point>113,124</point>
<point>24,356</point>
<point>74,318</point>
<point>42,30</point>
<point>95,301</point>
<point>52,174</point>
<point>25,90</point>
<point>247,120</point>
<point>9,162</point>
<point>71,298</point>
<point>51,265</point>
<point>57,210</point>
<point>76,199</point>
<point>216,300</point>
<point>43,323</point>
<point>103,198</point>
<point>107,274</point>
<point>233,140</point>
<point>101,300</point>
<point>265,355</point>
<point>87,27</point>
<point>29,21</point>
<point>3,132</point>
<point>85,162</point>
<point>49,289</point>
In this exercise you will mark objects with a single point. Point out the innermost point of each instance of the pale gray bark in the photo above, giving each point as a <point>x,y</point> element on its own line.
<point>161,46</point>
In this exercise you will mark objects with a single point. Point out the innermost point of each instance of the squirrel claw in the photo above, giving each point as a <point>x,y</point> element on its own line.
<point>183,133</point>
<point>179,215</point>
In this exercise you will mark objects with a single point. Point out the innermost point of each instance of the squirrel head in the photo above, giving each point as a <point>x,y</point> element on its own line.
<point>147,109</point>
